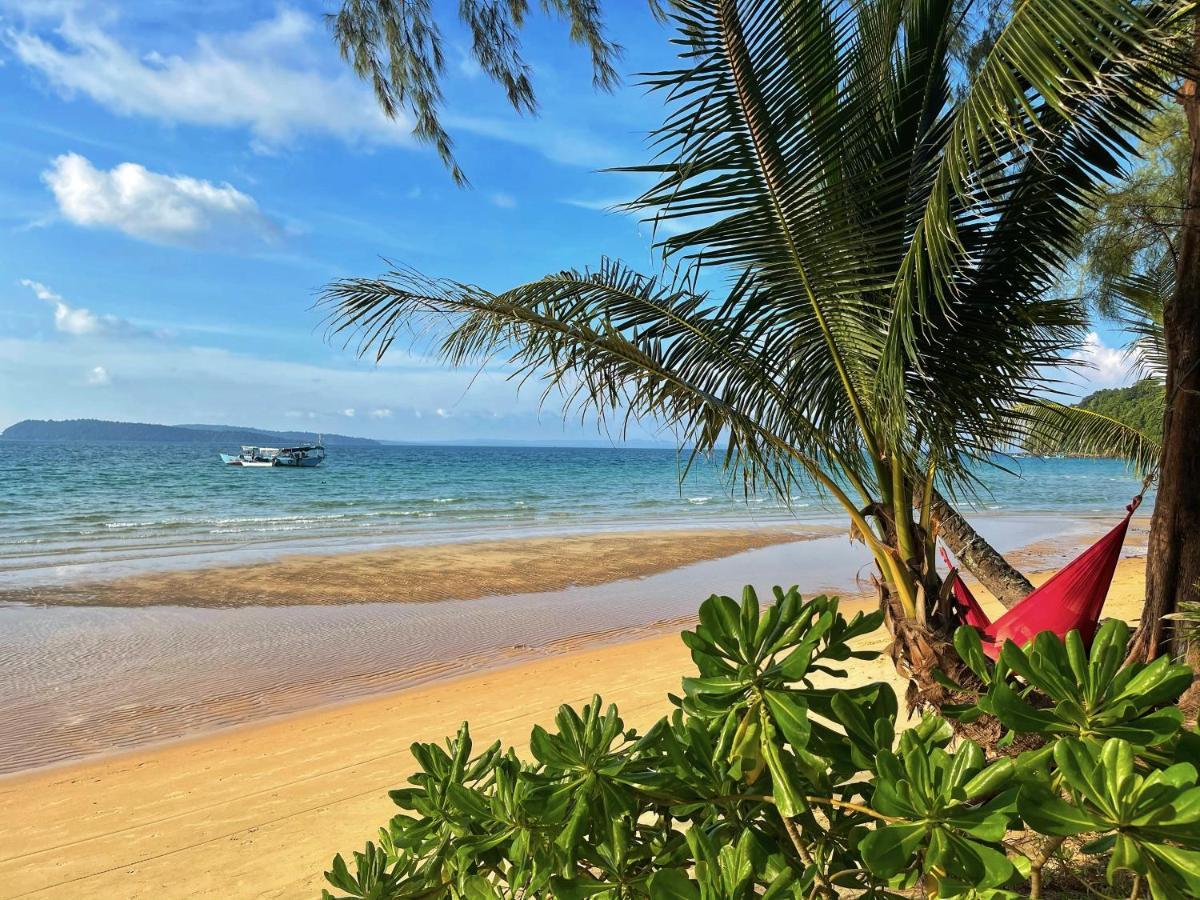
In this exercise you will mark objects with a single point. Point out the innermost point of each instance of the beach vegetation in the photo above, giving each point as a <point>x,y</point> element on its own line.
<point>778,776</point>
<point>861,256</point>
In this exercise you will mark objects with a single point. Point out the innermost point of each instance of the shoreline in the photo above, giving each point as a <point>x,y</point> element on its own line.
<point>425,573</point>
<point>28,569</point>
<point>83,681</point>
<point>259,810</point>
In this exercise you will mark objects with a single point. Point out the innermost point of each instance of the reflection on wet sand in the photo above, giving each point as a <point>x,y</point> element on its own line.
<point>77,681</point>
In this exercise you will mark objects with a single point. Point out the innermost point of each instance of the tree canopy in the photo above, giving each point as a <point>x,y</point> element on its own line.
<point>1139,406</point>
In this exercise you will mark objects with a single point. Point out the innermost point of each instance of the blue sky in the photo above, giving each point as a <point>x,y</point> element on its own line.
<point>178,180</point>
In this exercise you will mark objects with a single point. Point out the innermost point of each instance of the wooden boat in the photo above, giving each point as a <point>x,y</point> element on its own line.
<point>305,456</point>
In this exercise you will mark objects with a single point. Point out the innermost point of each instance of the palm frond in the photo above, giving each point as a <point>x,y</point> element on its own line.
<point>1054,428</point>
<point>613,343</point>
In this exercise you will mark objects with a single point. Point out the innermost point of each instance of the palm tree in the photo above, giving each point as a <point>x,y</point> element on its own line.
<point>860,295</point>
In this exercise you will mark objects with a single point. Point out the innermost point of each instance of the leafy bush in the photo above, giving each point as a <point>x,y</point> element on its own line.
<point>762,784</point>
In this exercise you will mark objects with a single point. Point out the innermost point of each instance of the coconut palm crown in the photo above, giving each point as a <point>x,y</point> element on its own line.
<point>884,239</point>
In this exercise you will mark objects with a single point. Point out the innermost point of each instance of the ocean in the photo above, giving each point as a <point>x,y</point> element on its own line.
<point>85,511</point>
<point>77,681</point>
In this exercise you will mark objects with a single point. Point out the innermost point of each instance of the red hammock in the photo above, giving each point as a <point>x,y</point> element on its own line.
<point>1070,601</point>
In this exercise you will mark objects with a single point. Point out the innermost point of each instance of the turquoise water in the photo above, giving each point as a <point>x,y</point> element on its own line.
<point>78,681</point>
<point>93,510</point>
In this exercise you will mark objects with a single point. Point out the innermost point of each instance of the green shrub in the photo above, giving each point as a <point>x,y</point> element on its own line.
<point>761,784</point>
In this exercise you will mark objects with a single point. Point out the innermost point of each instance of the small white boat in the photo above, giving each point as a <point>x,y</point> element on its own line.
<point>302,457</point>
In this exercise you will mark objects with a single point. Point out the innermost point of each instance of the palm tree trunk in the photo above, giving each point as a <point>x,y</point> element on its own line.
<point>1173,554</point>
<point>977,556</point>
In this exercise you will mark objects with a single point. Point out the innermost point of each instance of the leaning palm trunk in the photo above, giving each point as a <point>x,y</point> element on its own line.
<point>979,557</point>
<point>888,244</point>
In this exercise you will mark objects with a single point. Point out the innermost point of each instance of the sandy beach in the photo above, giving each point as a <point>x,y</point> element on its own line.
<point>258,811</point>
<point>464,570</point>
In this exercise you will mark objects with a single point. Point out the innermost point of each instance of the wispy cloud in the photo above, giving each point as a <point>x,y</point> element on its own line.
<point>99,377</point>
<point>609,204</point>
<point>277,79</point>
<point>172,382</point>
<point>502,200</point>
<point>165,209</point>
<point>555,140</point>
<point>78,320</point>
<point>647,217</point>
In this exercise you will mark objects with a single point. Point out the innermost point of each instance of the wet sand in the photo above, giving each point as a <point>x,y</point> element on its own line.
<point>420,574</point>
<point>259,811</point>
<point>85,680</point>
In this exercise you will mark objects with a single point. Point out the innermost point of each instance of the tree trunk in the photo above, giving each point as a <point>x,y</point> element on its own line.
<point>977,556</point>
<point>1173,554</point>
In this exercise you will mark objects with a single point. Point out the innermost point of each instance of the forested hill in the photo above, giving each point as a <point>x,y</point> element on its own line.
<point>1139,405</point>
<point>101,430</point>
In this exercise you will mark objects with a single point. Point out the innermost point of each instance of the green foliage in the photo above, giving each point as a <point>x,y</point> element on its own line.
<point>1135,227</point>
<point>1139,406</point>
<point>1149,823</point>
<point>774,778</point>
<point>1124,423</point>
<point>1057,689</point>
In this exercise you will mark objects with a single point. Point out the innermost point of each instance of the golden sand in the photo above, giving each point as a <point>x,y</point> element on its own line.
<point>259,811</point>
<point>456,571</point>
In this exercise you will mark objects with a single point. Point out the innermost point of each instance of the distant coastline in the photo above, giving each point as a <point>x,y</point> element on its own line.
<point>106,431</point>
<point>144,432</point>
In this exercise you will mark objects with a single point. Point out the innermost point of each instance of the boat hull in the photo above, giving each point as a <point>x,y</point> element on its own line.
<point>306,463</point>
<point>306,457</point>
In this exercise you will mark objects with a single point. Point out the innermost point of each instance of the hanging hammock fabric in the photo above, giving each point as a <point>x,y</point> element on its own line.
<point>1070,601</point>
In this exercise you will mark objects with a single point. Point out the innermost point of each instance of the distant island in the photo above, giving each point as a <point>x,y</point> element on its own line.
<point>101,430</point>
<point>1139,405</point>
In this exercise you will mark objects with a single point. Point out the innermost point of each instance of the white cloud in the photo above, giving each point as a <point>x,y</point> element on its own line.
<point>99,377</point>
<point>1107,366</point>
<point>166,209</point>
<point>279,79</point>
<point>502,200</point>
<point>442,414</point>
<point>380,414</point>
<point>348,413</point>
<point>78,320</point>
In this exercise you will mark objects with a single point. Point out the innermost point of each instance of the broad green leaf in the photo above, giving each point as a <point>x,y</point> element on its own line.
<point>889,849</point>
<point>672,884</point>
<point>790,715</point>
<point>1049,814</point>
